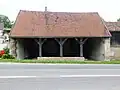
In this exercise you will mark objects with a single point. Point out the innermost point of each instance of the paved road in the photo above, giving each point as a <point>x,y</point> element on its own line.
<point>59,77</point>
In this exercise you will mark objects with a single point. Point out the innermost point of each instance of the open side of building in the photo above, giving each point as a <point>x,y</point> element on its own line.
<point>59,34</point>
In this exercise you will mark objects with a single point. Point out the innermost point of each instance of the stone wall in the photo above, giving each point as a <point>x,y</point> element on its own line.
<point>107,48</point>
<point>115,52</point>
<point>16,48</point>
<point>12,46</point>
<point>20,49</point>
<point>97,52</point>
<point>101,50</point>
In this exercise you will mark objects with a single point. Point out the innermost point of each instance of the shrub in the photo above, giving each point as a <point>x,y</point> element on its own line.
<point>7,56</point>
<point>6,50</point>
<point>2,52</point>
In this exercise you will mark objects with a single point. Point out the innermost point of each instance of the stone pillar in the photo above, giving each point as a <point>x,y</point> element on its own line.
<point>20,49</point>
<point>13,47</point>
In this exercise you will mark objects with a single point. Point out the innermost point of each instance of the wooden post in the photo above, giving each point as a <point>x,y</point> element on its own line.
<point>40,47</point>
<point>81,42</point>
<point>40,43</point>
<point>81,48</point>
<point>61,48</point>
<point>61,43</point>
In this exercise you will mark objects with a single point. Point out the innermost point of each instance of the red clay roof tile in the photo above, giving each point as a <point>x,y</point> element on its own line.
<point>58,24</point>
<point>113,26</point>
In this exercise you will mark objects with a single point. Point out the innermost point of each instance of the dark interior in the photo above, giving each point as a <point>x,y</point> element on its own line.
<point>88,47</point>
<point>115,40</point>
<point>51,48</point>
<point>31,48</point>
<point>71,48</point>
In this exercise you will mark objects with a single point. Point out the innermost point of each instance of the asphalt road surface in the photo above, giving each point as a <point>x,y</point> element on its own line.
<point>59,77</point>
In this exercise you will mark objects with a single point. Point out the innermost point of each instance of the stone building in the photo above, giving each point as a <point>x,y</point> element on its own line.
<point>60,34</point>
<point>114,28</point>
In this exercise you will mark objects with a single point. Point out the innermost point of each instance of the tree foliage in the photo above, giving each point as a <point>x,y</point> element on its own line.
<point>118,19</point>
<point>6,21</point>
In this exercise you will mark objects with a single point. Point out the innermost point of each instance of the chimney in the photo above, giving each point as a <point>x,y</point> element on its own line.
<point>46,18</point>
<point>46,9</point>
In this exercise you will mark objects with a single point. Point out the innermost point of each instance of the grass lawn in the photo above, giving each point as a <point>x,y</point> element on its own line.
<point>61,61</point>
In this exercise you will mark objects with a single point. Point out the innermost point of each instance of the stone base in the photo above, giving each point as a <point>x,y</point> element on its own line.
<point>107,59</point>
<point>61,58</point>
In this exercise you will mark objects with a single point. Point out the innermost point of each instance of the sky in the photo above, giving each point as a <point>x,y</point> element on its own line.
<point>109,10</point>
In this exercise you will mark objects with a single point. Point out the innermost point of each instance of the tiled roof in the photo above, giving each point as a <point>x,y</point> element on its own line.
<point>1,26</point>
<point>113,26</point>
<point>58,24</point>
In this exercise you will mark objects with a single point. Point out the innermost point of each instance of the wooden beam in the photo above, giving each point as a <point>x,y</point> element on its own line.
<point>81,40</point>
<point>64,41</point>
<point>85,40</point>
<point>61,41</point>
<point>36,41</point>
<point>77,40</point>
<point>57,40</point>
<point>42,42</point>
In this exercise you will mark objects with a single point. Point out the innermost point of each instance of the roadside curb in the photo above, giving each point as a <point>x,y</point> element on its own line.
<point>57,64</point>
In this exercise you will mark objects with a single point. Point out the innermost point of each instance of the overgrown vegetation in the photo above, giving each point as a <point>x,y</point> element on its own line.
<point>6,50</point>
<point>4,54</point>
<point>7,56</point>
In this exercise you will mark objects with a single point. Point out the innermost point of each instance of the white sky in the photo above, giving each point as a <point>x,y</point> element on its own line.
<point>109,10</point>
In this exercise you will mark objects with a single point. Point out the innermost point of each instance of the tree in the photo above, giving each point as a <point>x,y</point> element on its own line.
<point>118,19</point>
<point>6,21</point>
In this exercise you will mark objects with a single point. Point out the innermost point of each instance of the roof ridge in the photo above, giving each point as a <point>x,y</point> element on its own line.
<point>59,12</point>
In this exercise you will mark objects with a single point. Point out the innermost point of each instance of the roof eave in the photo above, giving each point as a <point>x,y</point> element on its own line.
<point>59,36</point>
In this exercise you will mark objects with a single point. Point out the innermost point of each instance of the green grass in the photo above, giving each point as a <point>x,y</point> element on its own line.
<point>61,61</point>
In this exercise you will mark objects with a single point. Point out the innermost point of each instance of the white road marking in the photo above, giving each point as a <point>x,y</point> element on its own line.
<point>89,76</point>
<point>14,77</point>
<point>18,76</point>
<point>59,76</point>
